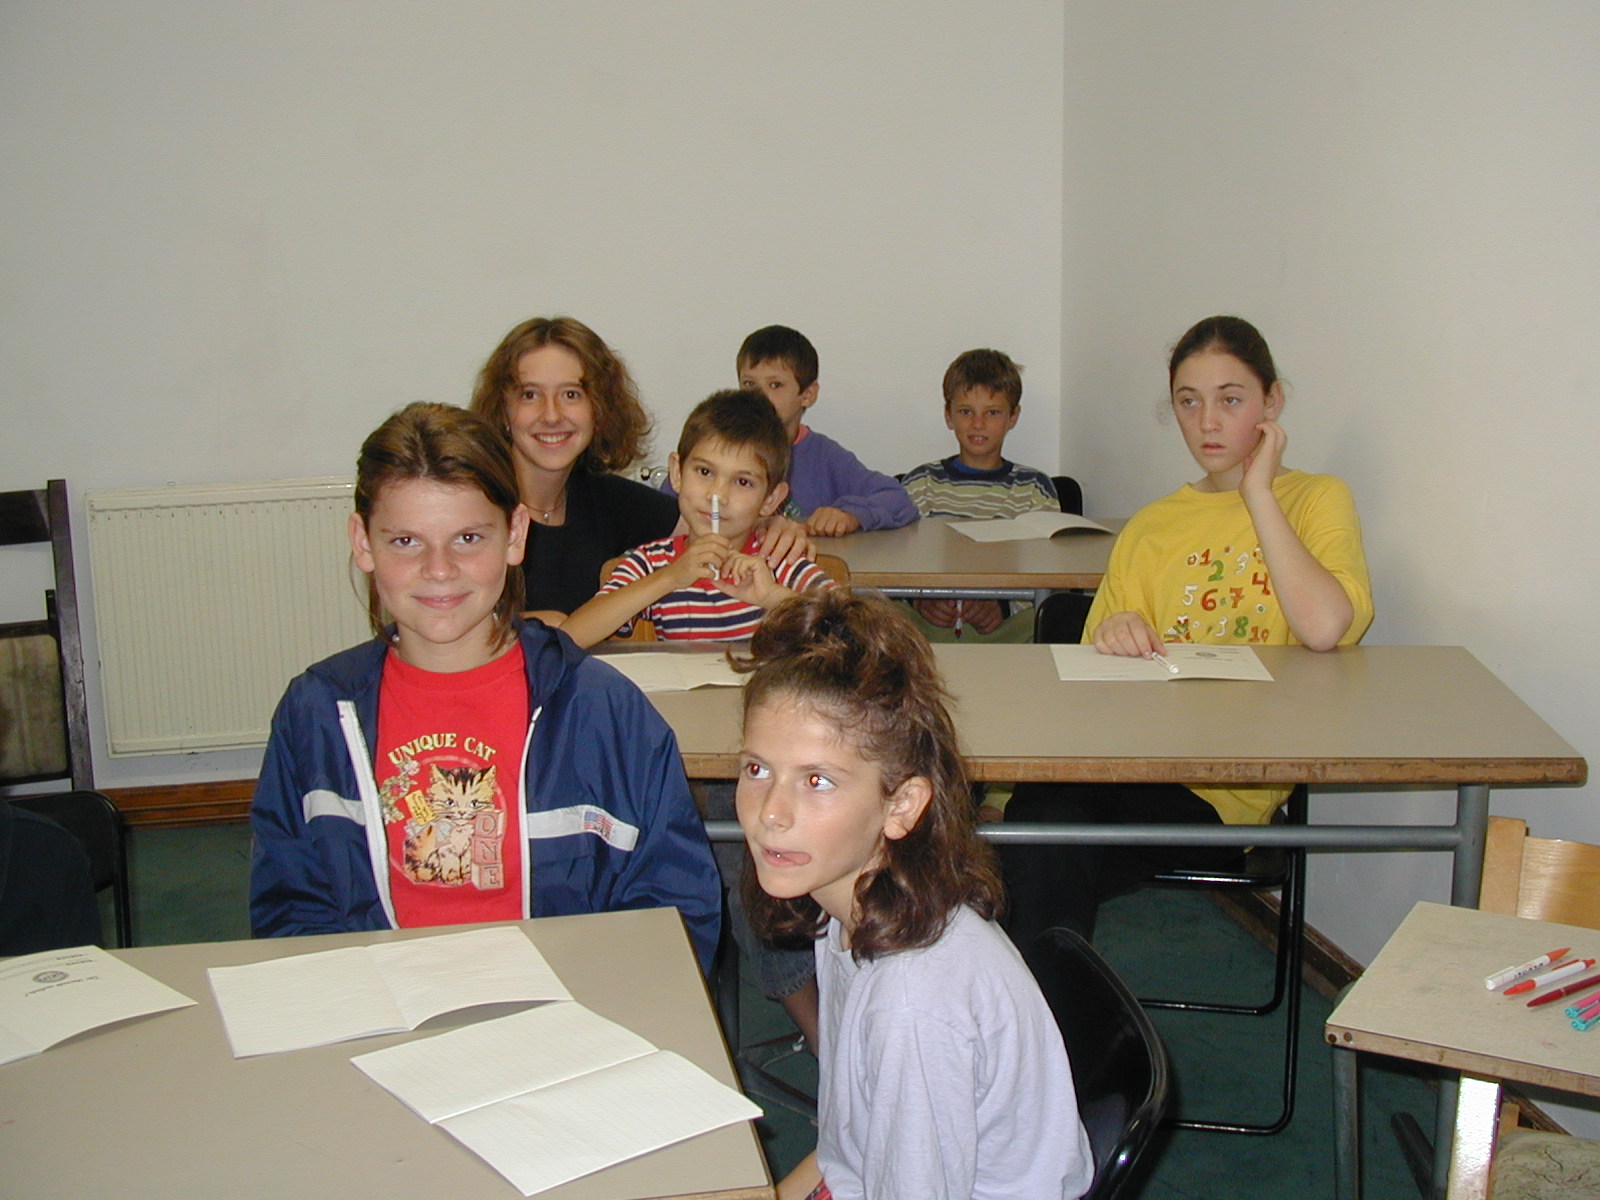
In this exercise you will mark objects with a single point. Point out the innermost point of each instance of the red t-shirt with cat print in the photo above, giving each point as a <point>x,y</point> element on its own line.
<point>449,767</point>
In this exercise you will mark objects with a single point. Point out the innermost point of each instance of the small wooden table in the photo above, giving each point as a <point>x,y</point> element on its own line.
<point>928,558</point>
<point>1423,999</point>
<point>159,1106</point>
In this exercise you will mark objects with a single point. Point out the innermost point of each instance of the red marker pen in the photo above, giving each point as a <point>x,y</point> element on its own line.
<point>1563,992</point>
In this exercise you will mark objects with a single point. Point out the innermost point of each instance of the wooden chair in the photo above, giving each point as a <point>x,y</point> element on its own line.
<point>1542,878</point>
<point>642,630</point>
<point>1548,880</point>
<point>46,734</point>
<point>835,568</point>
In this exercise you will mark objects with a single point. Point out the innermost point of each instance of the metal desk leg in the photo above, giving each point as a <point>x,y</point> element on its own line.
<point>1466,879</point>
<point>1346,1124</point>
<point>1472,822</point>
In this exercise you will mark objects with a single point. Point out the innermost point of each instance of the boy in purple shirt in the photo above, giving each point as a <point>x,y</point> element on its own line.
<point>831,490</point>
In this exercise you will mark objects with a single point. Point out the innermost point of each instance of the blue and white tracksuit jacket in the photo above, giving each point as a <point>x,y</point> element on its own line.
<point>607,816</point>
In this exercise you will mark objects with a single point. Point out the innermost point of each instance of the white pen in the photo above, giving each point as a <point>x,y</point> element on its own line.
<point>716,513</point>
<point>1157,656</point>
<point>959,622</point>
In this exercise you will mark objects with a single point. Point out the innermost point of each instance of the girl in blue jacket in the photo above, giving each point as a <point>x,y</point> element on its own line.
<point>464,765</point>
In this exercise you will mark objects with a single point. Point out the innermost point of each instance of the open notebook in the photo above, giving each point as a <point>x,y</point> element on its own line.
<point>1085,663</point>
<point>554,1093</point>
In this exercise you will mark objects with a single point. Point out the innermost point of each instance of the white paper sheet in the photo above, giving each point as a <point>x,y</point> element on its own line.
<point>361,991</point>
<point>555,1093</point>
<point>545,1138</point>
<point>1037,524</point>
<point>463,1069</point>
<point>48,997</point>
<point>1085,663</point>
<point>662,672</point>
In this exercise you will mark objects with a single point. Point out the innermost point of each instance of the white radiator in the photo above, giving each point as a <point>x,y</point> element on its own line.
<point>208,600</point>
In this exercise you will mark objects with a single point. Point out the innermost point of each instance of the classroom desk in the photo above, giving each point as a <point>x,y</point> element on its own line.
<point>928,558</point>
<point>1423,999</point>
<point>159,1107</point>
<point>1366,715</point>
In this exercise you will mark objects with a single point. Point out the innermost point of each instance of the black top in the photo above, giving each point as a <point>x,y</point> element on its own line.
<point>607,515</point>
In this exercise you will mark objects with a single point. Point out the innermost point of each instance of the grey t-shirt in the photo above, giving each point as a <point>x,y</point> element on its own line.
<point>943,1075</point>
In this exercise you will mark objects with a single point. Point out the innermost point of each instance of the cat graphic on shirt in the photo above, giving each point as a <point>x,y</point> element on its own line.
<point>439,835</point>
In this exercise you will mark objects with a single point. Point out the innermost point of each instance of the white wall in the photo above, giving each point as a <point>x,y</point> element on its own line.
<point>1403,198</point>
<point>237,235</point>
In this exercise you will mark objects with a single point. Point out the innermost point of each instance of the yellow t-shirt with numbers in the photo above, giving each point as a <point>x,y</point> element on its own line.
<point>1191,565</point>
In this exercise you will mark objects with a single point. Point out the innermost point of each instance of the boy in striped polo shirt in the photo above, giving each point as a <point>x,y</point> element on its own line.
<point>729,472</point>
<point>982,401</point>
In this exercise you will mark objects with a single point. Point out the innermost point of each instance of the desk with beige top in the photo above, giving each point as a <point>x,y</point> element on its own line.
<point>1365,715</point>
<point>1423,999</point>
<point>1362,716</point>
<point>927,558</point>
<point>160,1107</point>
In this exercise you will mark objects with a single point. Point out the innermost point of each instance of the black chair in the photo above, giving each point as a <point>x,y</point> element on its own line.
<point>1060,619</point>
<point>1068,494</point>
<point>1119,1064</point>
<point>47,734</point>
<point>98,824</point>
<point>1060,616</point>
<point>1265,868</point>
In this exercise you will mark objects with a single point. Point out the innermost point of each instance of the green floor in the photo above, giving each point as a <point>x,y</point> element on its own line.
<point>190,885</point>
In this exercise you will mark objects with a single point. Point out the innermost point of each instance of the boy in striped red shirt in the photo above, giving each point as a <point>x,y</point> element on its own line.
<point>730,471</point>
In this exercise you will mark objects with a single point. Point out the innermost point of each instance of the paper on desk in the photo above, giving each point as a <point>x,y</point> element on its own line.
<point>661,672</point>
<point>455,1072</point>
<point>1085,663</point>
<point>555,1093</point>
<point>48,997</point>
<point>1036,524</point>
<point>360,991</point>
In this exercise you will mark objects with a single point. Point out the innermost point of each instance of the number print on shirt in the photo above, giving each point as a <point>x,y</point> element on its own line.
<point>1236,609</point>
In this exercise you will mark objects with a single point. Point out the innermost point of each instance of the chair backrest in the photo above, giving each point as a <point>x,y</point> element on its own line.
<point>1068,494</point>
<point>98,824</point>
<point>1119,1063</point>
<point>42,661</point>
<point>1543,878</point>
<point>835,568</point>
<point>1060,617</point>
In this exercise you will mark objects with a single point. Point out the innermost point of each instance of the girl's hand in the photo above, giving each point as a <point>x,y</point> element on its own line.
<point>700,559</point>
<point>1266,460</point>
<point>1128,634</point>
<point>783,541</point>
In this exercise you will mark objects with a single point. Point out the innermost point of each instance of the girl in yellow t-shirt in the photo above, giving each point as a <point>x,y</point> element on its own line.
<point>1250,553</point>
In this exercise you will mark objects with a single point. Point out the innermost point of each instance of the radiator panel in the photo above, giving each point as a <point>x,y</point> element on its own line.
<point>208,600</point>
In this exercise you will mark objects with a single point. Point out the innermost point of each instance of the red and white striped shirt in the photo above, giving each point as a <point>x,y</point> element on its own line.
<point>702,611</point>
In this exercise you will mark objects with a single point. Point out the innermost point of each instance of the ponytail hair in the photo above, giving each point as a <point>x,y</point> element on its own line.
<point>855,660</point>
<point>447,445</point>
